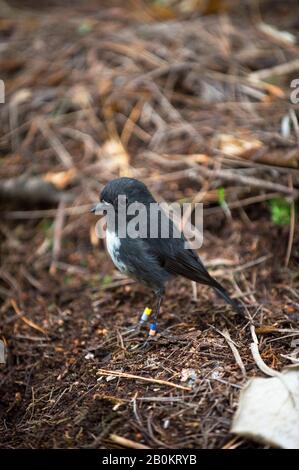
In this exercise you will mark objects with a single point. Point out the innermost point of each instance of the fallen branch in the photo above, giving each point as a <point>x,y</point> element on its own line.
<point>40,214</point>
<point>229,175</point>
<point>31,190</point>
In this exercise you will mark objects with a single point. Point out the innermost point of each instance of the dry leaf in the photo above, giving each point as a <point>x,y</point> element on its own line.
<point>268,410</point>
<point>189,376</point>
<point>11,65</point>
<point>114,157</point>
<point>56,77</point>
<point>199,158</point>
<point>6,25</point>
<point>104,83</point>
<point>205,7</point>
<point>94,239</point>
<point>238,147</point>
<point>80,96</point>
<point>20,96</point>
<point>61,179</point>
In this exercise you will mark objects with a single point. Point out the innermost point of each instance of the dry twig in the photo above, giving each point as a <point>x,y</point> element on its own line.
<point>144,379</point>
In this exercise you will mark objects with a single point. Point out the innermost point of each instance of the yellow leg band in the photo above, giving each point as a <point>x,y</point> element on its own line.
<point>146,313</point>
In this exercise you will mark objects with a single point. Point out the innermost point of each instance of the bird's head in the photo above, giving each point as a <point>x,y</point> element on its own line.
<point>130,190</point>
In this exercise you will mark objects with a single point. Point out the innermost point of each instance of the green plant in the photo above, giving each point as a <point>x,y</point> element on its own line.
<point>106,280</point>
<point>280,211</point>
<point>221,196</point>
<point>84,28</point>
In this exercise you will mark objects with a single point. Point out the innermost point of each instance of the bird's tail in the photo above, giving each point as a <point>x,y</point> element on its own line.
<point>224,294</point>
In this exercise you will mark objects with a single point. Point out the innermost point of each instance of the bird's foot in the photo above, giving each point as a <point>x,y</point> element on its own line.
<point>150,339</point>
<point>132,330</point>
<point>146,345</point>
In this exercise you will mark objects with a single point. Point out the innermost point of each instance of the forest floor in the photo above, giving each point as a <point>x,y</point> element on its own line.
<point>120,91</point>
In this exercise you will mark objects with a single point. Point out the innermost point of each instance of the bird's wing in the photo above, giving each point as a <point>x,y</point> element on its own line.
<point>176,258</point>
<point>185,262</point>
<point>173,254</point>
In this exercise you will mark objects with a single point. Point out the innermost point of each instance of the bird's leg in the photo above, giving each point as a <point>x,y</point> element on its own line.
<point>135,330</point>
<point>153,326</point>
<point>132,330</point>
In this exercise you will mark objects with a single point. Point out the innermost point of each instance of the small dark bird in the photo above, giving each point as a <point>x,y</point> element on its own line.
<point>150,260</point>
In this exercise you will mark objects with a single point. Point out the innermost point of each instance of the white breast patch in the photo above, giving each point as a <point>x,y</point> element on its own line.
<point>113,245</point>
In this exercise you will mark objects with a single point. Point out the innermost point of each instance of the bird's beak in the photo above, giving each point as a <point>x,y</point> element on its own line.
<point>99,207</point>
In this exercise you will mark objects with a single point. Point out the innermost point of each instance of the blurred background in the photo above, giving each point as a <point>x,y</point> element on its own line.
<point>197,98</point>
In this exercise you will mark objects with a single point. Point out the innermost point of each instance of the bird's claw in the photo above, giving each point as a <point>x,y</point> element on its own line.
<point>133,330</point>
<point>145,345</point>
